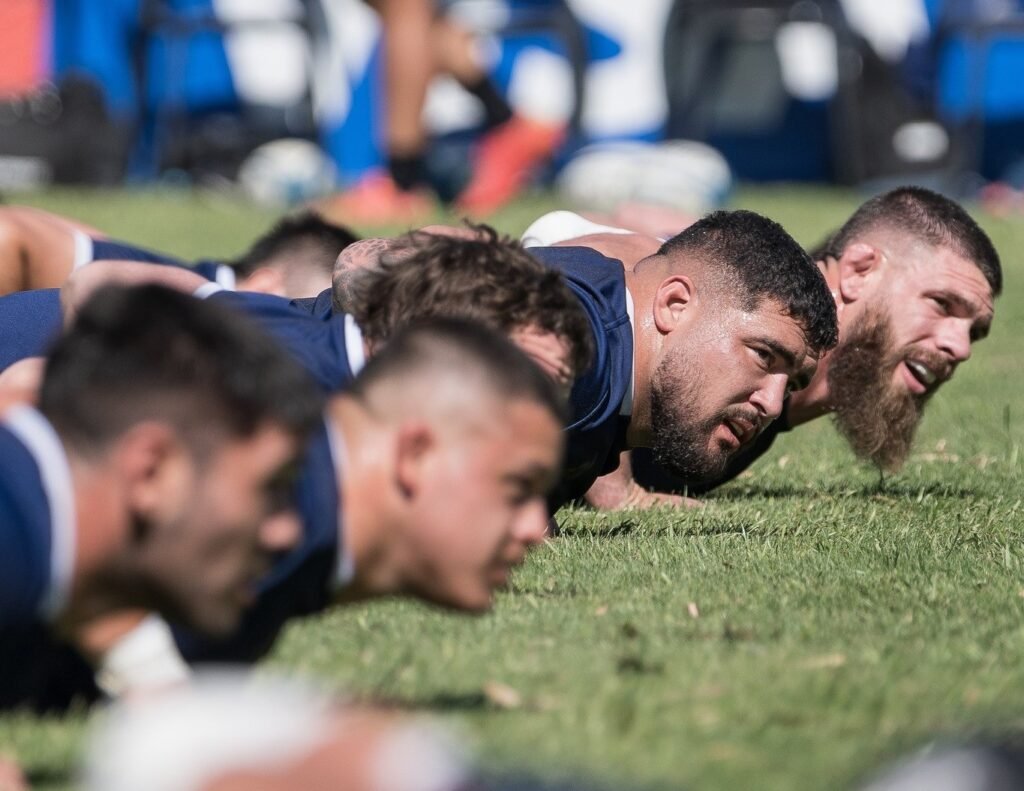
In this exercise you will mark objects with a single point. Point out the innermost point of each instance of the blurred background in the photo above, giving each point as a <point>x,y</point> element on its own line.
<point>283,98</point>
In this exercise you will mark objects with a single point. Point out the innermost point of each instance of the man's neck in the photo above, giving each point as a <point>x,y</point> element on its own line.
<point>364,512</point>
<point>639,429</point>
<point>814,400</point>
<point>102,531</point>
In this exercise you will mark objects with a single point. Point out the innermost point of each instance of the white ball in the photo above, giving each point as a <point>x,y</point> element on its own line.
<point>680,174</point>
<point>287,171</point>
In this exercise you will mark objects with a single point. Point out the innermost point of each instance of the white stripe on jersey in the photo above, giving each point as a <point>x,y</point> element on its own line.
<point>354,345</point>
<point>38,436</point>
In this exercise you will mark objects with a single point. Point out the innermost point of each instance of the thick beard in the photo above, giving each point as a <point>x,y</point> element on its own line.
<point>876,416</point>
<point>681,445</point>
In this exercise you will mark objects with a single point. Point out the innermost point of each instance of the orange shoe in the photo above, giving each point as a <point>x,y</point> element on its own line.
<point>377,200</point>
<point>505,160</point>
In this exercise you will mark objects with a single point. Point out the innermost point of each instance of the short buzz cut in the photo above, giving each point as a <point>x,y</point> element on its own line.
<point>301,240</point>
<point>929,217</point>
<point>758,260</point>
<point>436,346</point>
<point>486,278</point>
<point>150,353</point>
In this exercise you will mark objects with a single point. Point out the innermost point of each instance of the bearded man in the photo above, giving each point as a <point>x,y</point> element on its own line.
<point>914,279</point>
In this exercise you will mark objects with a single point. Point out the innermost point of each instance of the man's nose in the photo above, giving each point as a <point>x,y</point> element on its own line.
<point>532,524</point>
<point>770,397</point>
<point>955,339</point>
<point>280,531</point>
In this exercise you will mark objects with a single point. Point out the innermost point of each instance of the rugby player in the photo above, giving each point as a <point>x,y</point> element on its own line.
<point>295,258</point>
<point>733,293</point>
<point>429,480</point>
<point>914,280</point>
<point>512,293</point>
<point>155,473</point>
<point>697,345</point>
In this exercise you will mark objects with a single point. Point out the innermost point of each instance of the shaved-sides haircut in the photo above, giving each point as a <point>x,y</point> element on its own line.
<point>303,240</point>
<point>151,353</point>
<point>928,216</point>
<point>465,350</point>
<point>755,259</point>
<point>485,277</point>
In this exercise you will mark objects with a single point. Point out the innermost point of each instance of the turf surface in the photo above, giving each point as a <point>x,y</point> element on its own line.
<point>812,621</point>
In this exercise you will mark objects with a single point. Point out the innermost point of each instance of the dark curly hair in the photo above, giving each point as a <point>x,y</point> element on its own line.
<point>758,260</point>
<point>484,277</point>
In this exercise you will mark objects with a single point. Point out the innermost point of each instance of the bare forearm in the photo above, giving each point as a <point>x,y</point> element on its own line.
<point>618,490</point>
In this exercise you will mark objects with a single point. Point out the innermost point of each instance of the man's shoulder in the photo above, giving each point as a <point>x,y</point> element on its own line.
<point>321,306</point>
<point>318,344</point>
<point>115,250</point>
<point>579,261</point>
<point>29,321</point>
<point>25,532</point>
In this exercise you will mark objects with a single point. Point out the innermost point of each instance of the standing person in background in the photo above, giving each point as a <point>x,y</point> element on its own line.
<point>419,43</point>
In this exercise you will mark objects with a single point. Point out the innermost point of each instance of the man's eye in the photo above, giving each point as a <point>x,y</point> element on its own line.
<point>941,304</point>
<point>763,355</point>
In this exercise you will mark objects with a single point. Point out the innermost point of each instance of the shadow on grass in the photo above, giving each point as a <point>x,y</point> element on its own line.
<point>885,487</point>
<point>442,701</point>
<point>624,528</point>
<point>43,778</point>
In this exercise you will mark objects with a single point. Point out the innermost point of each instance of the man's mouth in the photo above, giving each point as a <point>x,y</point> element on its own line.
<point>922,377</point>
<point>743,429</point>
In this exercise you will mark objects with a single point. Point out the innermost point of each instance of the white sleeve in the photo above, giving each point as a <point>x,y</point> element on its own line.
<point>83,248</point>
<point>560,226</point>
<point>208,289</point>
<point>146,658</point>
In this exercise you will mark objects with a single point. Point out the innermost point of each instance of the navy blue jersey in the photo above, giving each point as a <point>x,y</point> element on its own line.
<point>596,434</point>
<point>301,582</point>
<point>111,250</point>
<point>55,678</point>
<point>37,519</point>
<point>651,476</point>
<point>320,346</point>
<point>321,306</point>
<point>29,322</point>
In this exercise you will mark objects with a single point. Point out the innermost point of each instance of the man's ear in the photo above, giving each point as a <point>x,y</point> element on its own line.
<point>672,299</point>
<point>414,442</point>
<point>265,280</point>
<point>156,467</point>
<point>858,261</point>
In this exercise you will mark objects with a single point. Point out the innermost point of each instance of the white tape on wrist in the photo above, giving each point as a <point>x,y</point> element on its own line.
<point>144,659</point>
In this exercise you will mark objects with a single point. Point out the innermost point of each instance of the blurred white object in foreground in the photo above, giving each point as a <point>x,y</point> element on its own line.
<point>229,730</point>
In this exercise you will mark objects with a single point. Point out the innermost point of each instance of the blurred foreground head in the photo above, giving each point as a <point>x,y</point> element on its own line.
<point>182,423</point>
<point>453,438</point>
<point>226,732</point>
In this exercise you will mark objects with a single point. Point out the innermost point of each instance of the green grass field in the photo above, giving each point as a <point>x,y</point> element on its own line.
<point>810,623</point>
